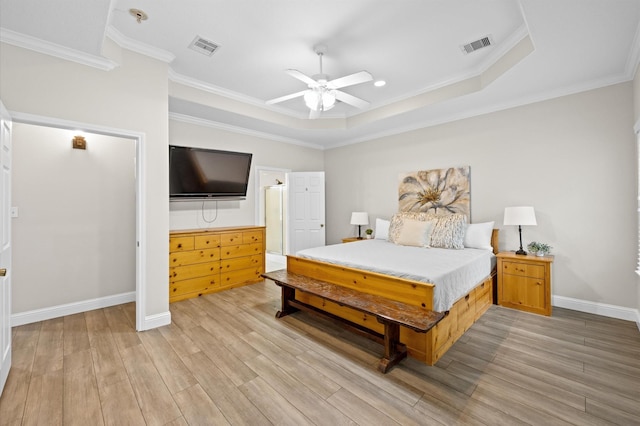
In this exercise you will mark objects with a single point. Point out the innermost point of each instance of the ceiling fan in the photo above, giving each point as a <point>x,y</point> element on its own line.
<point>323,93</point>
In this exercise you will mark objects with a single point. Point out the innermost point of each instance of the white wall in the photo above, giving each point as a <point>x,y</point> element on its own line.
<point>266,153</point>
<point>132,97</point>
<point>74,237</point>
<point>572,158</point>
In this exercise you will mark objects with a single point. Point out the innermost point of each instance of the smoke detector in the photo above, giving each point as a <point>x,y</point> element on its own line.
<point>138,14</point>
<point>476,45</point>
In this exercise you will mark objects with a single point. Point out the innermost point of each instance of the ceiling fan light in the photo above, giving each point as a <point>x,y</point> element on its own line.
<point>312,100</point>
<point>328,99</point>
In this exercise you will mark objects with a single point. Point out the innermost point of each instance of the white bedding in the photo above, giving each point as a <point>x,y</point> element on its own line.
<point>454,272</point>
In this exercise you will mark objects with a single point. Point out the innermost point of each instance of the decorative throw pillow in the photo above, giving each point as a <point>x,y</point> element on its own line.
<point>478,235</point>
<point>415,233</point>
<point>382,229</point>
<point>399,218</point>
<point>449,231</point>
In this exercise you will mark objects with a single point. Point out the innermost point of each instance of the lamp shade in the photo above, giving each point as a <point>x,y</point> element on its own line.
<point>359,218</point>
<point>519,216</point>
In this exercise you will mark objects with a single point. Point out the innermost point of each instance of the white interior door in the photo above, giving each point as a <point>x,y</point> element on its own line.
<point>306,215</point>
<point>5,245</point>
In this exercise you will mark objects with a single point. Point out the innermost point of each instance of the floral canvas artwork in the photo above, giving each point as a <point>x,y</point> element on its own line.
<point>439,191</point>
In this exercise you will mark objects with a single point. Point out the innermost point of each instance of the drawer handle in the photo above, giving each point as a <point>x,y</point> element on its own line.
<point>466,297</point>
<point>180,245</point>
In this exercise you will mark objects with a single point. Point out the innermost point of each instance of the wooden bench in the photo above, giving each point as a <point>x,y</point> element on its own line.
<point>390,313</point>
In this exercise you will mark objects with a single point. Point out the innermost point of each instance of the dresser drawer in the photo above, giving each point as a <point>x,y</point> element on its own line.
<point>180,243</point>
<point>199,285</point>
<point>241,263</point>
<point>241,250</point>
<point>180,273</point>
<point>182,258</point>
<point>231,238</point>
<point>240,276</point>
<point>523,269</point>
<point>206,241</point>
<point>252,237</point>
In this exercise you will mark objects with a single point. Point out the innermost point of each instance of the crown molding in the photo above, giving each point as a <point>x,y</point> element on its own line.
<point>240,130</point>
<point>139,47</point>
<point>216,90</point>
<point>56,50</point>
<point>488,109</point>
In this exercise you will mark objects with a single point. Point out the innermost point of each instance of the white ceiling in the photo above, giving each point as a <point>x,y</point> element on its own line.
<point>541,49</point>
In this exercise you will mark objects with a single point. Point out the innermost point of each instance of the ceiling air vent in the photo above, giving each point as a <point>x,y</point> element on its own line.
<point>203,46</point>
<point>475,45</point>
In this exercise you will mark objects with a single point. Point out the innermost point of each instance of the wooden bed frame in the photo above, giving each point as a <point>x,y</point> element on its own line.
<point>428,347</point>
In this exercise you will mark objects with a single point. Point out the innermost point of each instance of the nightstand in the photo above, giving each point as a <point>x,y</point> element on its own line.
<point>524,282</point>
<point>350,239</point>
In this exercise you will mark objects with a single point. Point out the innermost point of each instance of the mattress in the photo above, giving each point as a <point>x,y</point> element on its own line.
<point>454,272</point>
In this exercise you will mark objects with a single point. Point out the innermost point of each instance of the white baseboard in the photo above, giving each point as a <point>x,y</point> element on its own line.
<point>157,320</point>
<point>603,309</point>
<point>36,315</point>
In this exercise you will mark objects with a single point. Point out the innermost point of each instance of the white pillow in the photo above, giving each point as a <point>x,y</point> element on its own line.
<point>415,233</point>
<point>478,235</point>
<point>382,229</point>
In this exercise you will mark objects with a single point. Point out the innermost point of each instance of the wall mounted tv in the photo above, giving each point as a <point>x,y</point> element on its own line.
<point>198,173</point>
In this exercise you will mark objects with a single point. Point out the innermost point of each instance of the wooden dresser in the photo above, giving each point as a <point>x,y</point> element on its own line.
<point>211,260</point>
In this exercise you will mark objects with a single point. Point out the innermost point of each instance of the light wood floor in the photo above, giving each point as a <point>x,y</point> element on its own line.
<point>227,360</point>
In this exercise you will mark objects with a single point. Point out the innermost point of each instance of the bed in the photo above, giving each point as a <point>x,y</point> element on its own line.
<point>459,282</point>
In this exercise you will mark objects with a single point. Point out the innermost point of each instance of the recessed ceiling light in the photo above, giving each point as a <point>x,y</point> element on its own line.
<point>379,83</point>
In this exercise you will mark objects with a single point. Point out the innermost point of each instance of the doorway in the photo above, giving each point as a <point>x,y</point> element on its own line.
<point>138,166</point>
<point>73,213</point>
<point>274,218</point>
<point>271,213</point>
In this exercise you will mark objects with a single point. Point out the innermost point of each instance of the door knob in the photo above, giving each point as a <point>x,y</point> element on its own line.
<point>3,272</point>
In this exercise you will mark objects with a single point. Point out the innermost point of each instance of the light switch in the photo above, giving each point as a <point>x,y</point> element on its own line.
<point>14,212</point>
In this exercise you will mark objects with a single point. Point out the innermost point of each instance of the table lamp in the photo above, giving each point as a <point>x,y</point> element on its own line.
<point>519,216</point>
<point>359,218</point>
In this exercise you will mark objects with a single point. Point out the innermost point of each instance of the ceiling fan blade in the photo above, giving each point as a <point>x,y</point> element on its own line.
<point>285,98</point>
<point>302,77</point>
<point>313,114</point>
<point>350,80</point>
<point>351,100</point>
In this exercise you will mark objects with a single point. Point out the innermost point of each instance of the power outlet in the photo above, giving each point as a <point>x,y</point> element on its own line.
<point>14,212</point>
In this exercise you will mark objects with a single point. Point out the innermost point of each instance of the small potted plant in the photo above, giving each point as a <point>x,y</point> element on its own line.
<point>369,233</point>
<point>539,249</point>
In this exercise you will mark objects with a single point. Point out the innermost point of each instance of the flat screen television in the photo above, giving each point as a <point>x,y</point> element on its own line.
<point>199,173</point>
